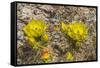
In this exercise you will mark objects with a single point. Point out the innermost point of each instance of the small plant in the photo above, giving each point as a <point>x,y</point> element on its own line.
<point>56,27</point>
<point>35,32</point>
<point>64,27</point>
<point>75,30</point>
<point>45,37</point>
<point>46,55</point>
<point>69,56</point>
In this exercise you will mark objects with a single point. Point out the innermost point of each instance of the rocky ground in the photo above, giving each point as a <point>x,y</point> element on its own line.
<point>58,44</point>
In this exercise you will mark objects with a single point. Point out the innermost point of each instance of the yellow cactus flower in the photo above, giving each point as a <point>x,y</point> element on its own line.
<point>35,28</point>
<point>45,54</point>
<point>69,56</point>
<point>45,37</point>
<point>75,30</point>
<point>34,31</point>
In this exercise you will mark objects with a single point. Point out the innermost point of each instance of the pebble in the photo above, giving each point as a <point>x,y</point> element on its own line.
<point>19,44</point>
<point>55,40</point>
<point>20,26</point>
<point>57,43</point>
<point>47,8</point>
<point>53,43</point>
<point>20,35</point>
<point>54,32</point>
<point>18,61</point>
<point>57,36</point>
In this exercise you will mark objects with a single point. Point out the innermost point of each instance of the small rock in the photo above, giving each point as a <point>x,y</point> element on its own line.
<point>53,43</point>
<point>57,43</point>
<point>47,8</point>
<point>18,61</point>
<point>53,33</point>
<point>40,16</point>
<point>20,25</point>
<point>55,40</point>
<point>76,17</point>
<point>19,44</point>
<point>57,36</point>
<point>20,35</point>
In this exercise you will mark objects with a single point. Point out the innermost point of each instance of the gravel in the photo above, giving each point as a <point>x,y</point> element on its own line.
<point>58,43</point>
